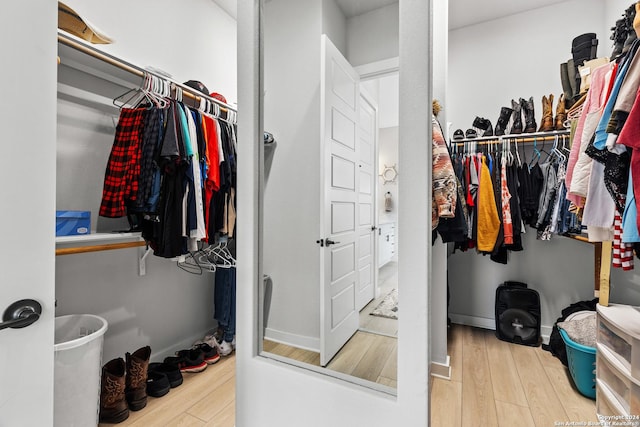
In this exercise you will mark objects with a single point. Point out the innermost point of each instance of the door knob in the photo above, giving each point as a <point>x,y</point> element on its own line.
<point>328,242</point>
<point>21,314</point>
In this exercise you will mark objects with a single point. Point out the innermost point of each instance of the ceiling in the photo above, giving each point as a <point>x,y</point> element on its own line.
<point>352,8</point>
<point>468,12</point>
<point>461,12</point>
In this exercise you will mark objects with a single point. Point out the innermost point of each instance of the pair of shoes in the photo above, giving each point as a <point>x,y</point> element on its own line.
<point>124,386</point>
<point>191,360</point>
<point>210,353</point>
<point>162,377</point>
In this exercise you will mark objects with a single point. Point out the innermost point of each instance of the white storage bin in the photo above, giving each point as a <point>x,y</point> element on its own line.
<point>619,331</point>
<point>606,403</point>
<point>77,369</point>
<point>615,381</point>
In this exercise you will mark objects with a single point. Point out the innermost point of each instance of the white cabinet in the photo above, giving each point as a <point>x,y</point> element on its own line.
<point>618,363</point>
<point>387,242</point>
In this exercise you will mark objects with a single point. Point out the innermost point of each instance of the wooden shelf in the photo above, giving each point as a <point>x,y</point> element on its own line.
<point>96,242</point>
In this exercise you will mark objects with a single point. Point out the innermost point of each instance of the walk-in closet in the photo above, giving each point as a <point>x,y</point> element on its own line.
<point>251,184</point>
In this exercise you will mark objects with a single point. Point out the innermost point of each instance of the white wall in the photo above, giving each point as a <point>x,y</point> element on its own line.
<point>168,308</point>
<point>334,25</point>
<point>197,38</point>
<point>561,270</point>
<point>517,56</point>
<point>292,30</point>
<point>373,36</point>
<point>388,155</point>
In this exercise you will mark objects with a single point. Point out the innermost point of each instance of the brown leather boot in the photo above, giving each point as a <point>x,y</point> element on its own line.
<point>546,122</point>
<point>113,406</point>
<point>136,391</point>
<point>561,113</point>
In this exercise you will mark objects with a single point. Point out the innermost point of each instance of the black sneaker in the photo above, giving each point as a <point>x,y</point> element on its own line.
<point>171,370</point>
<point>157,384</point>
<point>211,355</point>
<point>189,360</point>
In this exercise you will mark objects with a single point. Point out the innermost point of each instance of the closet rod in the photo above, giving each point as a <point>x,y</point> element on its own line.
<point>130,68</point>
<point>524,137</point>
<point>98,248</point>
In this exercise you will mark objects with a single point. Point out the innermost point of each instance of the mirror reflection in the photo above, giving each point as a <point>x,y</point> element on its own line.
<point>331,104</point>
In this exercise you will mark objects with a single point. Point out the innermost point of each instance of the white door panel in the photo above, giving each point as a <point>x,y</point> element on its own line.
<point>367,125</point>
<point>339,283</point>
<point>343,129</point>
<point>365,182</point>
<point>342,173</point>
<point>344,81</point>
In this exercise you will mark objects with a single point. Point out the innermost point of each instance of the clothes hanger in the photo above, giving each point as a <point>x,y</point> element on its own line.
<point>190,265</point>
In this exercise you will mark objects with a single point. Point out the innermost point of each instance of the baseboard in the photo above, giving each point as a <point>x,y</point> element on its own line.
<point>298,341</point>
<point>441,370</point>
<point>478,322</point>
<point>159,355</point>
<point>485,323</point>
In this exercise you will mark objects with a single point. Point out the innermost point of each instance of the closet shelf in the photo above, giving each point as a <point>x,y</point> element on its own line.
<point>522,137</point>
<point>83,58</point>
<point>96,242</point>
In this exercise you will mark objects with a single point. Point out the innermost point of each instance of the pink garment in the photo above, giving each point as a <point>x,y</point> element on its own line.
<point>591,105</point>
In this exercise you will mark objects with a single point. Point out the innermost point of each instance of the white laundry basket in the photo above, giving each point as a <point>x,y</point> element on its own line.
<point>77,370</point>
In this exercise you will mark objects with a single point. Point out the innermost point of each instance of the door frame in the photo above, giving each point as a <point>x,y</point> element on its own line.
<point>268,391</point>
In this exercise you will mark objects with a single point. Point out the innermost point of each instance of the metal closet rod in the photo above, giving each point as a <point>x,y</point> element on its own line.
<point>523,137</point>
<point>130,68</point>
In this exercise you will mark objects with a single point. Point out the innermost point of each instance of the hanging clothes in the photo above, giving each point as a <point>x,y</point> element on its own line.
<point>444,192</point>
<point>488,219</point>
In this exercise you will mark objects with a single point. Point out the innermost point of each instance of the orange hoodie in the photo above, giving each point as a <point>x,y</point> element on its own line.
<point>488,219</point>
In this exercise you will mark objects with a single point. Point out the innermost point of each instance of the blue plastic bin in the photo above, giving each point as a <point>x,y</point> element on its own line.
<point>582,365</point>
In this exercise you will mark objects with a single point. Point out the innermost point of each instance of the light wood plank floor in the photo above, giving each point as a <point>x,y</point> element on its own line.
<point>205,399</point>
<point>368,356</point>
<point>493,383</point>
<point>387,281</point>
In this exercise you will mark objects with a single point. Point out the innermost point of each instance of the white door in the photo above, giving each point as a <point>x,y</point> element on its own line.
<point>27,218</point>
<point>368,128</point>
<point>339,209</point>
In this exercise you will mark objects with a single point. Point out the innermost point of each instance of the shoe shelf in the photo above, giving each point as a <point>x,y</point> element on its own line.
<point>521,137</point>
<point>96,242</point>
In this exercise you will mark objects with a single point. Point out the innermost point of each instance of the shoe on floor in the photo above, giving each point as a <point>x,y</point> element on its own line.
<point>170,370</point>
<point>113,405</point>
<point>225,348</point>
<point>157,384</point>
<point>136,381</point>
<point>188,360</point>
<point>211,355</point>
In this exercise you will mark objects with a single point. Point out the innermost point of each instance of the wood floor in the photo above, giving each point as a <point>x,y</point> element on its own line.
<point>387,281</point>
<point>205,399</point>
<point>368,356</point>
<point>493,384</point>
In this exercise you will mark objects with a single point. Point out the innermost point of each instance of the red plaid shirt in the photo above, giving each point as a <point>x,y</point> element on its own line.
<point>123,168</point>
